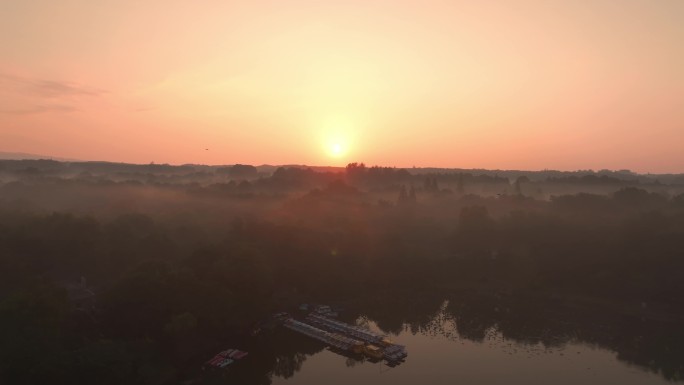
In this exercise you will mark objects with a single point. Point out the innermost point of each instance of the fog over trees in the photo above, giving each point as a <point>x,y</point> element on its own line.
<point>118,273</point>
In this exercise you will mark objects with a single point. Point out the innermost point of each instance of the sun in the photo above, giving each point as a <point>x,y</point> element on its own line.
<point>336,147</point>
<point>337,138</point>
<point>336,150</point>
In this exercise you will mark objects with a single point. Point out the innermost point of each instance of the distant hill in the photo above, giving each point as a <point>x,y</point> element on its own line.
<point>24,156</point>
<point>20,161</point>
<point>269,169</point>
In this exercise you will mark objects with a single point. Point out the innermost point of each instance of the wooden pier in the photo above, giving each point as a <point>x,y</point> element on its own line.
<point>348,337</point>
<point>333,339</point>
<point>341,327</point>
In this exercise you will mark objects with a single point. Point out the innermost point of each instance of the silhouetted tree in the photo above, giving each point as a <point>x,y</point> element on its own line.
<point>412,195</point>
<point>460,184</point>
<point>403,196</point>
<point>519,182</point>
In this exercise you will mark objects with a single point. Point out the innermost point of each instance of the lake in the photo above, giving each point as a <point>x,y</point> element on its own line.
<point>460,342</point>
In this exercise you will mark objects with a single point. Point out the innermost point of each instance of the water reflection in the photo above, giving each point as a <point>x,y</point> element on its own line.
<point>492,339</point>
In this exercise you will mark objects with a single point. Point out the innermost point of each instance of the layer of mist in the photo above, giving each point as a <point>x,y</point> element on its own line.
<point>118,273</point>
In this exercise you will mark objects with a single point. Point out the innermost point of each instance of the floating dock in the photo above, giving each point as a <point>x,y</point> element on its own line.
<point>390,351</point>
<point>348,337</point>
<point>333,339</point>
<point>354,331</point>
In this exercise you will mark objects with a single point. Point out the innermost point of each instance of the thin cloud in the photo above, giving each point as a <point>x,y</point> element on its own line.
<point>54,89</point>
<point>48,88</point>
<point>36,96</point>
<point>38,109</point>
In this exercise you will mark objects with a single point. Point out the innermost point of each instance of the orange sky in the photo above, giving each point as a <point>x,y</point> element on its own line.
<point>582,84</point>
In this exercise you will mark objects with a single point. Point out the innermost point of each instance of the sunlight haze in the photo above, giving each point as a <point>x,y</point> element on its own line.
<point>585,84</point>
<point>311,192</point>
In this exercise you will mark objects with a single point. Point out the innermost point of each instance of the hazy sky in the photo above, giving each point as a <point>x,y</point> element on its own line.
<point>511,84</point>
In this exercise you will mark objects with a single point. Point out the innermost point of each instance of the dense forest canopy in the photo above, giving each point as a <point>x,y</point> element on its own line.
<point>121,273</point>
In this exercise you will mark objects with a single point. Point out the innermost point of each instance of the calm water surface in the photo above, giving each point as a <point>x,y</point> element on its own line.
<point>449,360</point>
<point>440,354</point>
<point>478,343</point>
